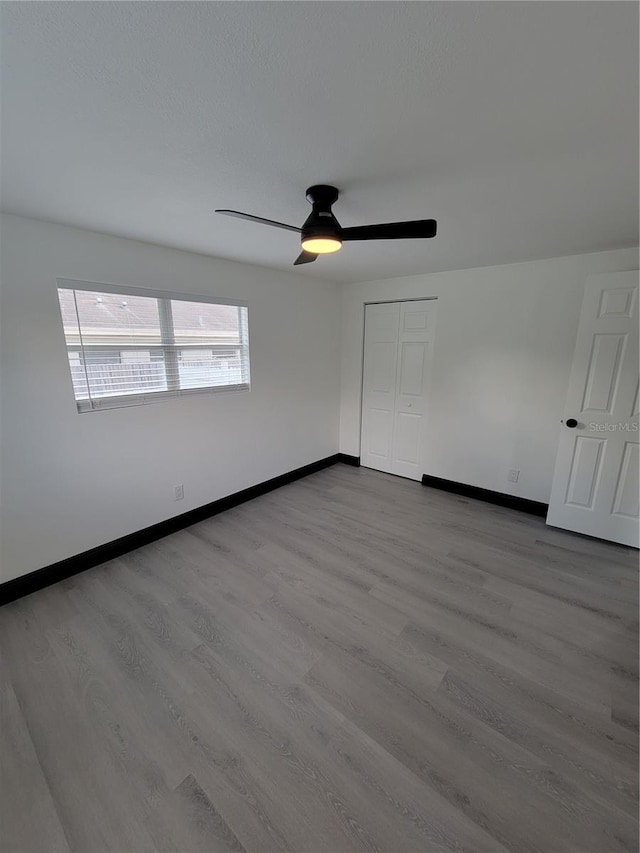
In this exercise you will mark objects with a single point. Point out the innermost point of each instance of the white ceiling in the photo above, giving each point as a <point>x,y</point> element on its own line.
<point>515,125</point>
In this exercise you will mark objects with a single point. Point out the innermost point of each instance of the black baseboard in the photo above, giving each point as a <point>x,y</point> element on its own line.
<point>499,498</point>
<point>349,460</point>
<point>25,585</point>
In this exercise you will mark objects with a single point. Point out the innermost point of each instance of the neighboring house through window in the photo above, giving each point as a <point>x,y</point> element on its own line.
<point>129,346</point>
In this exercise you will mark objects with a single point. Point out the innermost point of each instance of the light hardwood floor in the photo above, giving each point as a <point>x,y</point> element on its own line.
<point>353,662</point>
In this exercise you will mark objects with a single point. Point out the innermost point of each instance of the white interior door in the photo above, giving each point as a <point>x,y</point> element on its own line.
<point>398,345</point>
<point>595,483</point>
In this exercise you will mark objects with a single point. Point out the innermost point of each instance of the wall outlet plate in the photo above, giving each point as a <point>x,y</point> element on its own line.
<point>512,476</point>
<point>178,492</point>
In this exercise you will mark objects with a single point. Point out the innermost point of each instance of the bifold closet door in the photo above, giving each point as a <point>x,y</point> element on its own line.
<point>398,345</point>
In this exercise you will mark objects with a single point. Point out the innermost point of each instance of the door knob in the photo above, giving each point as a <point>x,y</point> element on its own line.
<point>572,423</point>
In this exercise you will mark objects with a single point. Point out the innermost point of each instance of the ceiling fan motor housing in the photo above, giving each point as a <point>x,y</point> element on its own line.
<point>321,222</point>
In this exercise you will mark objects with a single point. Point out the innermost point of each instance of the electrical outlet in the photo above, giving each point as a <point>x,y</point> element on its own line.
<point>178,492</point>
<point>512,476</point>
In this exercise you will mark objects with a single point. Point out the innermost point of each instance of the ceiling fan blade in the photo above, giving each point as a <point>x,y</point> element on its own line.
<point>258,219</point>
<point>392,231</point>
<point>304,258</point>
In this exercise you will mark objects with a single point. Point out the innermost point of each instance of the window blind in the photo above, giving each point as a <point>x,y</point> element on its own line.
<point>126,348</point>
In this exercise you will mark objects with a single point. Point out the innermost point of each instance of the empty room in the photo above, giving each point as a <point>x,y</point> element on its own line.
<point>319,427</point>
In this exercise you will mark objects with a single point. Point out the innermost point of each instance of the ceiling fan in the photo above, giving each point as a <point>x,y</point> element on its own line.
<point>322,234</point>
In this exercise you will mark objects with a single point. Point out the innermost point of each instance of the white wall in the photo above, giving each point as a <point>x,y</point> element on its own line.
<point>503,349</point>
<point>73,481</point>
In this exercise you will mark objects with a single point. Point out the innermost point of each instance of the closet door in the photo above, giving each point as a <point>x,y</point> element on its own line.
<point>414,357</point>
<point>381,326</point>
<point>397,360</point>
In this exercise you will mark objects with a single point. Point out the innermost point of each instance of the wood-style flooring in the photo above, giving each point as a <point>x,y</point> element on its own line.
<point>353,662</point>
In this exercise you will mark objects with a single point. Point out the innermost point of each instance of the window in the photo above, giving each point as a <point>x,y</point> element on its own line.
<point>127,346</point>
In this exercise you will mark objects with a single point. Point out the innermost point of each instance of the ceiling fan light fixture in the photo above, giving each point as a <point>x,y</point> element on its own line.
<point>321,245</point>
<point>322,234</point>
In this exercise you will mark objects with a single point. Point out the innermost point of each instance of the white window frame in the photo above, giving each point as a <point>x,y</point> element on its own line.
<point>166,346</point>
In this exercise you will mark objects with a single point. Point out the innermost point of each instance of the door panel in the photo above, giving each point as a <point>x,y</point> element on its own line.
<point>379,433</point>
<point>383,367</point>
<point>625,501</point>
<point>407,438</point>
<point>379,384</point>
<point>397,359</point>
<point>585,469</point>
<point>617,301</point>
<point>604,372</point>
<point>417,320</point>
<point>412,367</point>
<point>634,407</point>
<point>595,484</point>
